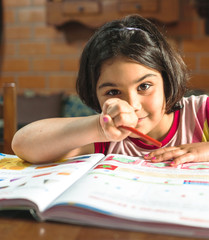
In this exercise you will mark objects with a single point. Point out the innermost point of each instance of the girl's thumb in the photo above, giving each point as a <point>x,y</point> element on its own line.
<point>105,119</point>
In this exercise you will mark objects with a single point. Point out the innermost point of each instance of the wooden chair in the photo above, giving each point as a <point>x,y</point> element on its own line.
<point>9,115</point>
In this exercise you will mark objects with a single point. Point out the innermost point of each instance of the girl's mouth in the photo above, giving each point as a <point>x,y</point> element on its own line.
<point>141,119</point>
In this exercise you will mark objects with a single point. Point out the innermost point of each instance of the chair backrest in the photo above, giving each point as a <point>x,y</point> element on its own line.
<point>9,115</point>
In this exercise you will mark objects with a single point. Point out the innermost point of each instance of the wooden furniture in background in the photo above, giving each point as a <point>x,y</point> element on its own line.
<point>94,13</point>
<point>9,115</point>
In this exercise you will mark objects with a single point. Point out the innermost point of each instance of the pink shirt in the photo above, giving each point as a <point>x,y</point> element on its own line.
<point>190,125</point>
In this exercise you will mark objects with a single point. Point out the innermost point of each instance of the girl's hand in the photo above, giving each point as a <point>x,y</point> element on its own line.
<point>194,152</point>
<point>115,113</point>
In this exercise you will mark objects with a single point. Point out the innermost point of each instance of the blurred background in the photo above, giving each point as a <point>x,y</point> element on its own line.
<point>43,41</point>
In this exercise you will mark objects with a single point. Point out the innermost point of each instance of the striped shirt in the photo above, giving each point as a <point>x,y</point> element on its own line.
<point>190,125</point>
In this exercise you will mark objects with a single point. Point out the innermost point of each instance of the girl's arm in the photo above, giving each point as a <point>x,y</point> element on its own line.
<point>51,139</point>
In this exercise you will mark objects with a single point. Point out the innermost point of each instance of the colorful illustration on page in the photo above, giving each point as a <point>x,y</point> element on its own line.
<point>13,164</point>
<point>123,159</point>
<point>195,166</point>
<point>156,165</point>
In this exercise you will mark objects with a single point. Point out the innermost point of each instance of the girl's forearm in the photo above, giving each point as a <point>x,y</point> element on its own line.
<point>51,139</point>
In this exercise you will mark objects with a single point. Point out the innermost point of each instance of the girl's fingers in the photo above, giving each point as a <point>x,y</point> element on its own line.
<point>111,132</point>
<point>120,112</point>
<point>112,107</point>
<point>159,152</point>
<point>187,157</point>
<point>115,107</point>
<point>195,152</point>
<point>106,118</point>
<point>168,155</point>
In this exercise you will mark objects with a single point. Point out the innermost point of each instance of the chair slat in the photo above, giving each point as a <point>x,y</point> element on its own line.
<point>9,115</point>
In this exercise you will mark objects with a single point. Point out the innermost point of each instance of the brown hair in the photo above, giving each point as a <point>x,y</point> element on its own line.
<point>137,39</point>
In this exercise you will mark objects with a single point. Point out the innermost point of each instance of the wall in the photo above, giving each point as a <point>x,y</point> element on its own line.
<point>39,57</point>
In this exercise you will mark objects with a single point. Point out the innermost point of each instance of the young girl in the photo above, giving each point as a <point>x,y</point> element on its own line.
<point>131,76</point>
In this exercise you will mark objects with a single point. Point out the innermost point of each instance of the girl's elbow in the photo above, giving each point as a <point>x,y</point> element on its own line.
<point>21,150</point>
<point>16,144</point>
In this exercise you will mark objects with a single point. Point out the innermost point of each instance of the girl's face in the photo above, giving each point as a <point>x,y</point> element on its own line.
<point>142,88</point>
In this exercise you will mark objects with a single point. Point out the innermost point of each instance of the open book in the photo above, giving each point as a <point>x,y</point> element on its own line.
<point>113,191</point>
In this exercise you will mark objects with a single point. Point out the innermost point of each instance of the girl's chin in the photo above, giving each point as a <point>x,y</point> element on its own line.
<point>135,136</point>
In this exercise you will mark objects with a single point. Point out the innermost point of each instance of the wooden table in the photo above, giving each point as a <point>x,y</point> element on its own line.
<point>21,226</point>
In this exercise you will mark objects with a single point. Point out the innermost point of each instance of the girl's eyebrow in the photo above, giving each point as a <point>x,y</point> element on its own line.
<point>110,84</point>
<point>107,84</point>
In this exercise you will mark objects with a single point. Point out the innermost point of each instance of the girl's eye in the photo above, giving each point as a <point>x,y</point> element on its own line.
<point>144,86</point>
<point>113,92</point>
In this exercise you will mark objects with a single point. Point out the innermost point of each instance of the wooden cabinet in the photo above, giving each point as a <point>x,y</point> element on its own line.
<point>94,13</point>
<point>80,8</point>
<point>150,6</point>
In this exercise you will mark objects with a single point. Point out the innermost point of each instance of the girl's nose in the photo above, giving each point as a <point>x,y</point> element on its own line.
<point>134,101</point>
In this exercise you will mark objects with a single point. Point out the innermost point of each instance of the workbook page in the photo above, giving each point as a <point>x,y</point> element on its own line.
<point>135,189</point>
<point>40,184</point>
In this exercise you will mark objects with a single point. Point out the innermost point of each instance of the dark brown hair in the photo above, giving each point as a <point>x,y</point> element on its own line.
<point>137,39</point>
